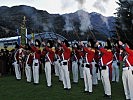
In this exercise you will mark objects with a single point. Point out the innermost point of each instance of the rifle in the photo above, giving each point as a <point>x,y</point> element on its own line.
<point>41,37</point>
<point>94,37</point>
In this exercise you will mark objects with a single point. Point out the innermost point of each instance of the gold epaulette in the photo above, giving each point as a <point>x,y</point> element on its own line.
<point>109,50</point>
<point>93,50</point>
<point>53,49</point>
<point>70,48</point>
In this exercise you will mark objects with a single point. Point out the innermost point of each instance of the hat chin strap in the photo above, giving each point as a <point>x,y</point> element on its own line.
<point>36,43</point>
<point>75,46</point>
<point>48,44</point>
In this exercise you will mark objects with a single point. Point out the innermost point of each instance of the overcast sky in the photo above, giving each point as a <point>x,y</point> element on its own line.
<point>105,7</point>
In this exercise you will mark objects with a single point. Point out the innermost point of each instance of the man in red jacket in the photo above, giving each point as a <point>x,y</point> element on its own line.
<point>127,73</point>
<point>36,60</point>
<point>65,64</point>
<point>17,59</point>
<point>75,59</point>
<point>57,64</point>
<point>88,58</point>
<point>116,63</point>
<point>106,62</point>
<point>49,58</point>
<point>29,61</point>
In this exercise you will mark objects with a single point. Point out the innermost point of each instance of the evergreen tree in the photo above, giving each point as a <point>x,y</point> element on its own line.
<point>124,19</point>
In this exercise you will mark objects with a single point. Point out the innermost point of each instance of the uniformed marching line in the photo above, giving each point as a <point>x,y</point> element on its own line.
<point>93,61</point>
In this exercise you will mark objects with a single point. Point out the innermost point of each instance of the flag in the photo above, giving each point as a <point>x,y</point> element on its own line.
<point>32,37</point>
<point>18,41</point>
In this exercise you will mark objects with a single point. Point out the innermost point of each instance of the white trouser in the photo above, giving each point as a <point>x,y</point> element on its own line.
<point>35,68</point>
<point>48,73</point>
<point>60,72</point>
<point>105,80</point>
<point>115,71</point>
<point>127,78</point>
<point>81,68</point>
<point>65,76</point>
<point>99,75</point>
<point>28,73</point>
<point>56,67</point>
<point>75,71</point>
<point>94,74</point>
<point>87,79</point>
<point>17,70</point>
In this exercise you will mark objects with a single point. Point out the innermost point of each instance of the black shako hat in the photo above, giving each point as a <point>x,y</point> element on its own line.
<point>66,43</point>
<point>91,43</point>
<point>37,43</point>
<point>108,44</point>
<point>49,43</point>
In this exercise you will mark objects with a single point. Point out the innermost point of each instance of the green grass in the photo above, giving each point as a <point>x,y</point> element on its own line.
<point>11,89</point>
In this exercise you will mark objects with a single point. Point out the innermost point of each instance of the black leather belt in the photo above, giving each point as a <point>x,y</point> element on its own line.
<point>64,63</point>
<point>87,65</point>
<point>103,67</point>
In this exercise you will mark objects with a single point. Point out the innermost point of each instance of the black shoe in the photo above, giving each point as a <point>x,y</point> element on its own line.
<point>65,88</point>
<point>28,82</point>
<point>90,93</point>
<point>35,83</point>
<point>74,82</point>
<point>86,92</point>
<point>107,96</point>
<point>94,85</point>
<point>49,86</point>
<point>60,81</point>
<point>18,79</point>
<point>113,82</point>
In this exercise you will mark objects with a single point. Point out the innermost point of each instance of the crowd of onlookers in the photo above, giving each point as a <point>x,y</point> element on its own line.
<point>6,59</point>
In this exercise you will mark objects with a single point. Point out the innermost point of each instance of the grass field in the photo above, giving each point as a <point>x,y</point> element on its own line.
<point>11,89</point>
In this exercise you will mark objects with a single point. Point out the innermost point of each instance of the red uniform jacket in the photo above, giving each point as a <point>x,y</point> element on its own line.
<point>130,56</point>
<point>90,54</point>
<point>116,54</point>
<point>50,54</point>
<point>97,56</point>
<point>107,56</point>
<point>37,52</point>
<point>59,53</point>
<point>16,55</point>
<point>66,53</point>
<point>78,53</point>
<point>30,59</point>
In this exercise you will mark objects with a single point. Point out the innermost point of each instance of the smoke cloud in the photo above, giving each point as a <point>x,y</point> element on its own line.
<point>85,22</point>
<point>105,20</point>
<point>38,21</point>
<point>67,3</point>
<point>100,5</point>
<point>68,24</point>
<point>81,3</point>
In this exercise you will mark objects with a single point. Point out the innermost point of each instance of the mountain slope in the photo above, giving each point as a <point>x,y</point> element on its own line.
<point>74,25</point>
